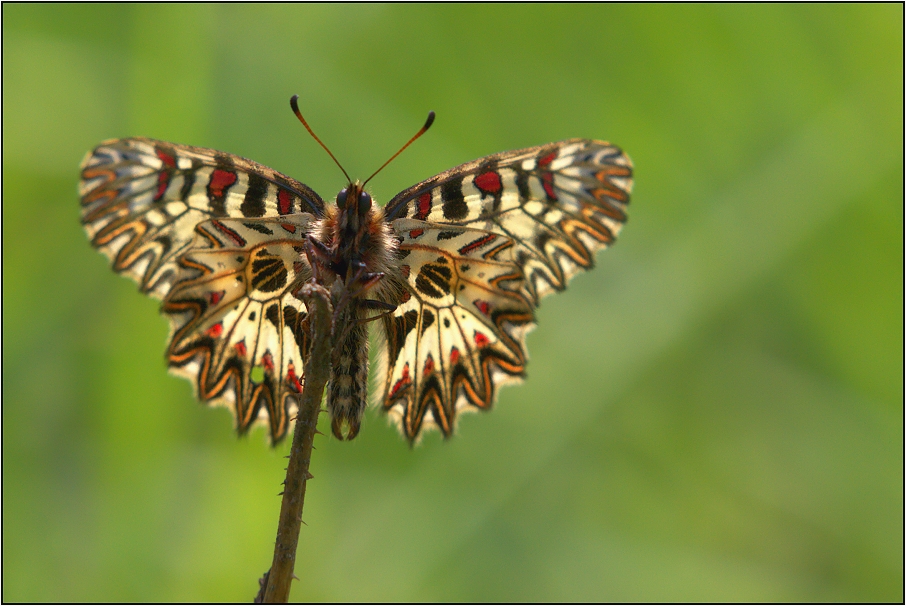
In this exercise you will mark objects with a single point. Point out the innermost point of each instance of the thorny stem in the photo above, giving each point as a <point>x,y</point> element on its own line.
<point>276,582</point>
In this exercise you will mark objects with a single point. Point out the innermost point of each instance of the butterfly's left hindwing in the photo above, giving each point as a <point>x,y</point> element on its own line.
<point>237,328</point>
<point>483,243</point>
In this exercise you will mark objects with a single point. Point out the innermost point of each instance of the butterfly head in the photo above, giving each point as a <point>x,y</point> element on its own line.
<point>354,204</point>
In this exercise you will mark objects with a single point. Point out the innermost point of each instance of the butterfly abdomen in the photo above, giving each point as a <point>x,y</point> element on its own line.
<point>347,390</point>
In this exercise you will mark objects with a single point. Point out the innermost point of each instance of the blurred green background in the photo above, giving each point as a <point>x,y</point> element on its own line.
<point>715,413</point>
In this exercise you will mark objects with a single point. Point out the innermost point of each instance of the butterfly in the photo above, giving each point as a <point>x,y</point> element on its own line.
<point>448,273</point>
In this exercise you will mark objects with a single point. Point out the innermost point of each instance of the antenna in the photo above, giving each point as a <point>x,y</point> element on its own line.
<point>294,103</point>
<point>427,125</point>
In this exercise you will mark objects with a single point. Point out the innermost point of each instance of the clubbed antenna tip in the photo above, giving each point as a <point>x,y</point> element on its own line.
<point>421,132</point>
<point>294,103</point>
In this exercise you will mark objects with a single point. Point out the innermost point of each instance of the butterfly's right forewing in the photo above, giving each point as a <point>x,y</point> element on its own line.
<point>559,203</point>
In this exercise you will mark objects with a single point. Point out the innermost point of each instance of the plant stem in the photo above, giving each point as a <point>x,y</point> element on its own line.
<point>277,581</point>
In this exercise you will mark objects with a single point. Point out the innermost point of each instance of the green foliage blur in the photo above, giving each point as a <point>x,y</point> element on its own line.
<point>714,413</point>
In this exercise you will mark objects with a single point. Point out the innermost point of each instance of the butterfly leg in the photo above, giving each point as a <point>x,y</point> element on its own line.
<point>367,280</point>
<point>357,284</point>
<point>375,304</point>
<point>388,308</point>
<point>318,256</point>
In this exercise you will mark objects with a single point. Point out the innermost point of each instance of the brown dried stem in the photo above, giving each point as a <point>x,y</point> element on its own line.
<point>276,582</point>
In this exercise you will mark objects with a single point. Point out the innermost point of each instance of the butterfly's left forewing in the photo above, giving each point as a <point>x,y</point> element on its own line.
<point>527,221</point>
<point>143,198</point>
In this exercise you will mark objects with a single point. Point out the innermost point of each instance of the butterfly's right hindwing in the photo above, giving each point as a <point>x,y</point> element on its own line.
<point>458,333</point>
<point>142,199</point>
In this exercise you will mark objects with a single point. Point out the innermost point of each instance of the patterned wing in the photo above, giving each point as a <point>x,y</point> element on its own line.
<point>237,328</point>
<point>141,201</point>
<point>481,244</point>
<point>219,238</point>
<point>458,332</point>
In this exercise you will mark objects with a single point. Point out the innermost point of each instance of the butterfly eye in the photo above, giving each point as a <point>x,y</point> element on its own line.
<point>341,198</point>
<point>364,203</point>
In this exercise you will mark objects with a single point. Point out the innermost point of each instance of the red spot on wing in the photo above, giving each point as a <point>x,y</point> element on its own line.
<point>415,233</point>
<point>284,202</point>
<point>229,233</point>
<point>429,365</point>
<point>543,162</point>
<point>397,387</point>
<point>163,182</point>
<point>547,182</point>
<point>241,348</point>
<point>480,339</point>
<point>477,243</point>
<point>454,356</point>
<point>547,178</point>
<point>166,158</point>
<point>423,206</point>
<point>292,379</point>
<point>406,296</point>
<point>215,297</point>
<point>267,360</point>
<point>489,182</point>
<point>482,306</point>
<point>289,227</point>
<point>405,269</point>
<point>220,181</point>
<point>402,383</point>
<point>215,331</point>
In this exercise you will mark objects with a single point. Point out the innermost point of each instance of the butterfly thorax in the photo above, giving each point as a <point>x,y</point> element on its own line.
<point>353,242</point>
